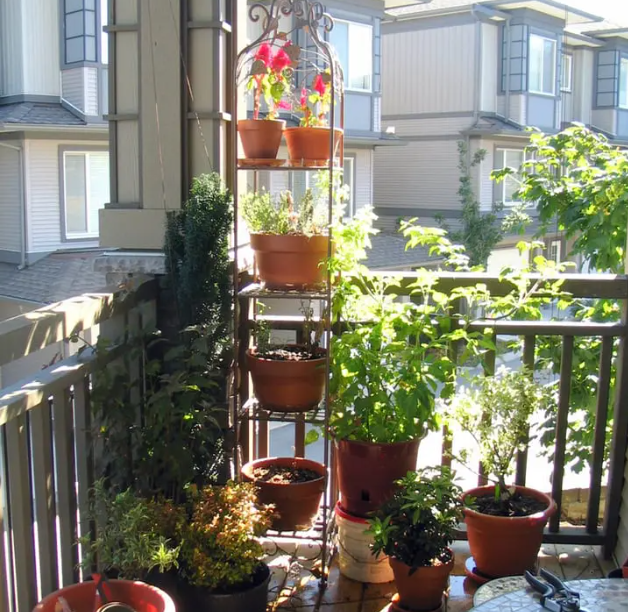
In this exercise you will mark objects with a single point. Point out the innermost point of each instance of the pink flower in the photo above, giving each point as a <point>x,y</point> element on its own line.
<point>304,97</point>
<point>319,85</point>
<point>280,62</point>
<point>264,54</point>
<point>284,105</point>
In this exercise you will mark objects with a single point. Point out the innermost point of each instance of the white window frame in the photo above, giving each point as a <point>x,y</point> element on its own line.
<point>623,82</point>
<point>566,73</point>
<point>555,254</point>
<point>347,76</point>
<point>351,161</point>
<point>90,234</point>
<point>505,164</point>
<point>555,50</point>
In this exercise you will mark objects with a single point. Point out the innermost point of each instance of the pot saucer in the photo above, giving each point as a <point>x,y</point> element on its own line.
<point>395,606</point>
<point>251,162</point>
<point>472,572</point>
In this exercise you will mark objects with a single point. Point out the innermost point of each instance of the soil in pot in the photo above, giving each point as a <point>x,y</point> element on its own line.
<point>288,378</point>
<point>423,589</point>
<point>367,472</point>
<point>293,484</point>
<point>260,138</point>
<point>518,504</point>
<point>292,261</point>
<point>507,545</point>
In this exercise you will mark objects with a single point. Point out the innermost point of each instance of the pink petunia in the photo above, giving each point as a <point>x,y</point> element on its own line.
<point>319,85</point>
<point>265,54</point>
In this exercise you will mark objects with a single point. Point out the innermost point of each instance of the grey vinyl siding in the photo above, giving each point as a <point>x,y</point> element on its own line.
<point>541,112</point>
<point>519,36</point>
<point>622,123</point>
<point>607,79</point>
<point>604,119</point>
<point>9,200</point>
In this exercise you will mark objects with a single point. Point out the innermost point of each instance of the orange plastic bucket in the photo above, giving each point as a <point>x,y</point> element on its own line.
<point>83,598</point>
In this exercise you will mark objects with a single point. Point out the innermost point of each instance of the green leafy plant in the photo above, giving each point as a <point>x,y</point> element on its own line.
<point>219,548</point>
<point>417,525</point>
<point>314,105</point>
<point>134,536</point>
<point>496,411</point>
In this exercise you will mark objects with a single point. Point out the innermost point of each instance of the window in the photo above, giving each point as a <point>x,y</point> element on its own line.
<point>79,23</point>
<point>354,45</point>
<point>554,251</point>
<point>623,83</point>
<point>85,191</point>
<point>566,73</point>
<point>348,175</point>
<point>542,67</point>
<point>104,37</point>
<point>512,158</point>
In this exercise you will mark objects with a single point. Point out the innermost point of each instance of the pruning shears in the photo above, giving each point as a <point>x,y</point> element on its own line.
<point>556,596</point>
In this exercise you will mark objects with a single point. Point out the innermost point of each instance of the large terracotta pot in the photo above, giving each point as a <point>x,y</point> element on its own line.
<point>367,472</point>
<point>287,386</point>
<point>260,138</point>
<point>296,504</point>
<point>310,145</point>
<point>506,546</point>
<point>423,590</point>
<point>82,597</point>
<point>290,261</point>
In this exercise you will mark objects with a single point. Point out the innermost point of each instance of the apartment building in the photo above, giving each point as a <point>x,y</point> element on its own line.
<point>481,72</point>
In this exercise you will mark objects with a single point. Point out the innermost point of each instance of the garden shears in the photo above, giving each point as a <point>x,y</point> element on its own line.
<point>555,595</point>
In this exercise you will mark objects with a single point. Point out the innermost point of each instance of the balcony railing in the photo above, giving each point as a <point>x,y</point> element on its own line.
<point>46,451</point>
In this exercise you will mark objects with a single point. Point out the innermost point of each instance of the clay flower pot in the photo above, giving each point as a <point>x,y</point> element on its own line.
<point>367,472</point>
<point>310,145</point>
<point>423,589</point>
<point>290,261</point>
<point>260,138</point>
<point>506,546</point>
<point>297,503</point>
<point>141,597</point>
<point>287,386</point>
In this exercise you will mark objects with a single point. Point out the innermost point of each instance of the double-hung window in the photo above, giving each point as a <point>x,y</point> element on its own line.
<point>566,76</point>
<point>354,45</point>
<point>85,191</point>
<point>511,158</point>
<point>542,65</point>
<point>79,25</point>
<point>623,83</point>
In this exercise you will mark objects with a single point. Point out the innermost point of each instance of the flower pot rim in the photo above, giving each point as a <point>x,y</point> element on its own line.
<point>258,462</point>
<point>252,353</point>
<point>365,443</point>
<point>488,489</point>
<point>292,128</point>
<point>292,235</point>
<point>264,120</point>
<point>342,513</point>
<point>450,562</point>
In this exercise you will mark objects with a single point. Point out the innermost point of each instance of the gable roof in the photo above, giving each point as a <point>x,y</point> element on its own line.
<point>38,113</point>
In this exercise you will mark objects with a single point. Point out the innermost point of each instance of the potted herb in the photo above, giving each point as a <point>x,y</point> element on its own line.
<point>269,80</point>
<point>290,239</point>
<point>288,377</point>
<point>221,559</point>
<point>293,485</point>
<point>415,529</point>
<point>310,143</point>
<point>505,524</point>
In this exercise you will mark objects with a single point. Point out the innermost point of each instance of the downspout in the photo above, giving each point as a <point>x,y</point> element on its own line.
<point>508,52</point>
<point>477,101</point>
<point>22,201</point>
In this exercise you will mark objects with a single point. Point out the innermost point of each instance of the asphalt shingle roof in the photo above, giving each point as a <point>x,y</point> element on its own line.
<point>38,113</point>
<point>56,277</point>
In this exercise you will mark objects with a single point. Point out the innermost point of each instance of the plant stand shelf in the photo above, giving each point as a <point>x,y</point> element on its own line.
<point>254,411</point>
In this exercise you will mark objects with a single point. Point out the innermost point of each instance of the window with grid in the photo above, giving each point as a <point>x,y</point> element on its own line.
<point>542,65</point>
<point>566,73</point>
<point>80,30</point>
<point>511,158</point>
<point>623,83</point>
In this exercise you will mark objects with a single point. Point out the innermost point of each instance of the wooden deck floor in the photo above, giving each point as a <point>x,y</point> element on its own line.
<point>298,591</point>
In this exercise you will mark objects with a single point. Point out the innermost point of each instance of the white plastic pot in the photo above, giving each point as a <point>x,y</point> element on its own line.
<point>355,559</point>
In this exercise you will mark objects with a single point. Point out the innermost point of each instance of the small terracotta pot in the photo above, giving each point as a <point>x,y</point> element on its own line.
<point>423,590</point>
<point>261,138</point>
<point>82,597</point>
<point>287,386</point>
<point>506,546</point>
<point>367,472</point>
<point>290,261</point>
<point>296,504</point>
<point>311,145</point>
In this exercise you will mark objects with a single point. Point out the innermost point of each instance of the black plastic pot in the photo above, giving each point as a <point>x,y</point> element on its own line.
<point>253,599</point>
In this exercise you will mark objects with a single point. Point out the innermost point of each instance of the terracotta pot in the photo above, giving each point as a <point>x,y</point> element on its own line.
<point>506,546</point>
<point>367,472</point>
<point>311,145</point>
<point>287,386</point>
<point>423,590</point>
<point>296,504</point>
<point>82,597</point>
<point>290,261</point>
<point>260,138</point>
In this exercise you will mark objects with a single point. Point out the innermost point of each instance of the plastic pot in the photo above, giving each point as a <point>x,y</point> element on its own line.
<point>310,145</point>
<point>293,261</point>
<point>287,386</point>
<point>422,590</point>
<point>506,546</point>
<point>260,138</point>
<point>296,504</point>
<point>367,472</point>
<point>83,598</point>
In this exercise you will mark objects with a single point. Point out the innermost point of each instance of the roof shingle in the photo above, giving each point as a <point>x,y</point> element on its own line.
<point>38,113</point>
